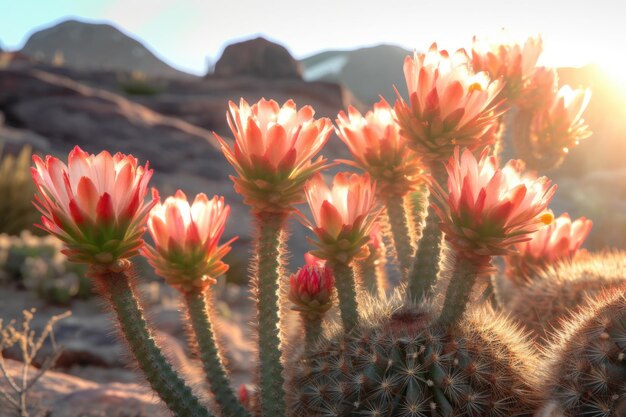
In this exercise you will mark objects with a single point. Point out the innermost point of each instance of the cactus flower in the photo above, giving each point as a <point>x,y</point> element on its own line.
<point>377,147</point>
<point>311,290</point>
<point>539,90</point>
<point>273,152</point>
<point>94,204</point>
<point>560,126</point>
<point>186,237</point>
<point>449,105</point>
<point>560,240</point>
<point>512,62</point>
<point>343,215</point>
<point>487,210</point>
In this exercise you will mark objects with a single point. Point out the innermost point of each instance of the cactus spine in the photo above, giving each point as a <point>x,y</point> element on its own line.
<point>346,291</point>
<point>198,307</point>
<point>117,289</point>
<point>586,364</point>
<point>271,229</point>
<point>554,293</point>
<point>426,262</point>
<point>400,232</point>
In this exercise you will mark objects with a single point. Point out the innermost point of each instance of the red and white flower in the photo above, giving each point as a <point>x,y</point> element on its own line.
<point>311,290</point>
<point>510,61</point>
<point>486,210</point>
<point>560,126</point>
<point>186,238</point>
<point>343,215</point>
<point>378,148</point>
<point>273,152</point>
<point>561,240</point>
<point>94,204</point>
<point>449,104</point>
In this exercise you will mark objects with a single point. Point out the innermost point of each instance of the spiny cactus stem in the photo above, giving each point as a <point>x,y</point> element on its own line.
<point>312,330</point>
<point>426,262</point>
<point>117,289</point>
<point>344,280</point>
<point>367,271</point>
<point>269,254</point>
<point>464,275</point>
<point>198,307</point>
<point>504,148</point>
<point>400,232</point>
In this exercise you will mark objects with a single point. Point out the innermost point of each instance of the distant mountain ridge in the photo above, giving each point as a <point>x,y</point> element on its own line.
<point>367,72</point>
<point>96,46</point>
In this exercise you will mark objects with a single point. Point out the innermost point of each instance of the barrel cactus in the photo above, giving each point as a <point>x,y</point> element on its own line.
<point>586,371</point>
<point>400,362</point>
<point>557,291</point>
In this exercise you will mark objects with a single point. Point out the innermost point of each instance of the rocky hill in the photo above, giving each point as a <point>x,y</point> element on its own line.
<point>93,46</point>
<point>367,72</point>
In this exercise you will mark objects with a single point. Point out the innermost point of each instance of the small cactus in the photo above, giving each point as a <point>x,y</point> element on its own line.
<point>400,362</point>
<point>561,289</point>
<point>586,370</point>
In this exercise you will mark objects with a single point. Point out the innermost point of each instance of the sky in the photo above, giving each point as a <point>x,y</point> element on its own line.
<point>188,34</point>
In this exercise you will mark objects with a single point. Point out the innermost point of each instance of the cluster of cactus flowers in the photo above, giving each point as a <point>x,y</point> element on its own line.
<point>424,346</point>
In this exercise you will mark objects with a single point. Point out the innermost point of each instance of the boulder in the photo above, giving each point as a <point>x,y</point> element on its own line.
<point>257,58</point>
<point>68,114</point>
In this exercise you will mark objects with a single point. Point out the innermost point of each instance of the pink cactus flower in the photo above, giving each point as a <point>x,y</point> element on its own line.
<point>94,204</point>
<point>510,61</point>
<point>311,290</point>
<point>186,238</point>
<point>487,210</point>
<point>560,126</point>
<point>343,215</point>
<point>378,148</point>
<point>559,241</point>
<point>539,90</point>
<point>449,105</point>
<point>273,152</point>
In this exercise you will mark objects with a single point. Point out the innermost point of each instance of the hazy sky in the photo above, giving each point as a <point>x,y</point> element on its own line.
<point>185,33</point>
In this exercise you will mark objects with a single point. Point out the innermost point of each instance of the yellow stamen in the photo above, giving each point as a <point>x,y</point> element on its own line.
<point>474,87</point>
<point>546,218</point>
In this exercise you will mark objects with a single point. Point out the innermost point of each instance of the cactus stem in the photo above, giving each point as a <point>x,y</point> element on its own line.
<point>423,275</point>
<point>117,289</point>
<point>464,275</point>
<point>198,307</point>
<point>368,270</point>
<point>345,282</point>
<point>269,268</point>
<point>400,232</point>
<point>312,330</point>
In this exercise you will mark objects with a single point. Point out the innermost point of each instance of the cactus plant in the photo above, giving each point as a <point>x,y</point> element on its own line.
<point>16,188</point>
<point>400,362</point>
<point>421,351</point>
<point>585,367</point>
<point>553,294</point>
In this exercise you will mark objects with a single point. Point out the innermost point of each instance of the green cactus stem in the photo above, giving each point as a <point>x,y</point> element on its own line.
<point>423,275</point>
<point>117,289</point>
<point>312,330</point>
<point>271,231</point>
<point>346,290</point>
<point>464,275</point>
<point>400,233</point>
<point>198,308</point>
